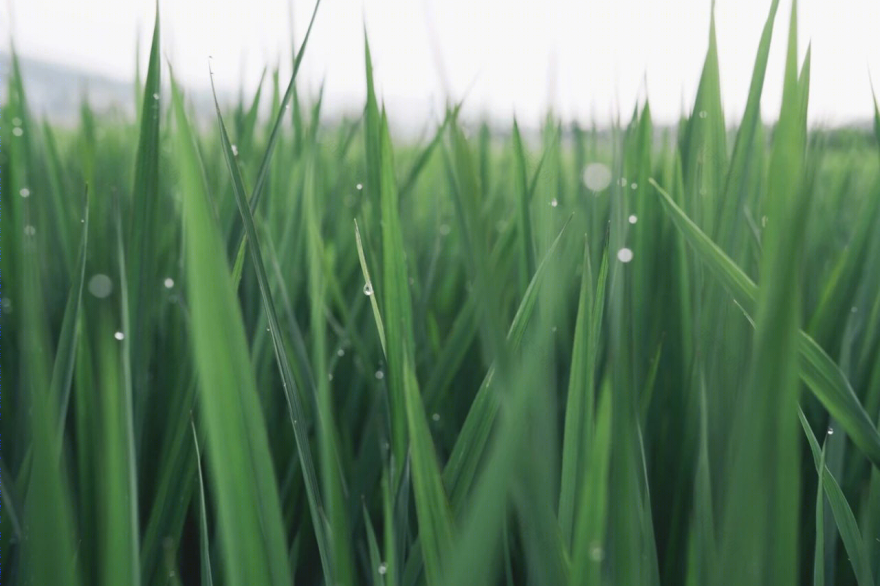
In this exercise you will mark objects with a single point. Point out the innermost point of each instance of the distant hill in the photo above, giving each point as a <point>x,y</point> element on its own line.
<point>57,91</point>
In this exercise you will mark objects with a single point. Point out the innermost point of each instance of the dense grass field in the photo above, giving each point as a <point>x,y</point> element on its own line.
<point>266,351</point>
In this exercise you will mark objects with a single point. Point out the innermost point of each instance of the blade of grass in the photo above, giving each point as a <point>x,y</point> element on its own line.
<point>249,512</point>
<point>581,391</point>
<point>204,540</point>
<point>294,405</point>
<point>843,515</point>
<point>817,369</point>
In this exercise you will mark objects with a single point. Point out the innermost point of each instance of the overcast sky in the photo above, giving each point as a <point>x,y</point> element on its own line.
<point>586,57</point>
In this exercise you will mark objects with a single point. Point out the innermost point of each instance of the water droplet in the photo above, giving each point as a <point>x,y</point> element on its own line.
<point>597,176</point>
<point>704,114</point>
<point>7,304</point>
<point>435,417</point>
<point>287,107</point>
<point>155,96</point>
<point>853,309</point>
<point>25,192</point>
<point>764,221</point>
<point>379,374</point>
<point>553,329</point>
<point>624,255</point>
<point>17,131</point>
<point>554,202</point>
<point>623,182</point>
<point>330,376</point>
<point>169,282</point>
<point>830,431</point>
<point>100,286</point>
<point>16,121</point>
<point>368,289</point>
<point>633,219</point>
<point>82,221</point>
<point>597,554</point>
<point>235,150</point>
<point>445,229</point>
<point>383,568</point>
<point>359,186</point>
<point>340,352</point>
<point>119,336</point>
<point>29,230</point>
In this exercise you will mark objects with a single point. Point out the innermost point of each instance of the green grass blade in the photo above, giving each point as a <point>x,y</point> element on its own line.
<point>523,217</point>
<point>588,548</point>
<point>843,515</point>
<point>65,353</point>
<point>143,225</point>
<point>204,540</point>
<point>432,506</point>
<point>581,393</point>
<point>249,512</point>
<point>294,405</point>
<point>817,369</point>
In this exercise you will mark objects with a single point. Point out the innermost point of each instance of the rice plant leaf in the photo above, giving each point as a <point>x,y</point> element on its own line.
<point>249,512</point>
<point>735,184</point>
<point>581,392</point>
<point>432,506</point>
<point>587,550</point>
<point>369,289</point>
<point>48,548</point>
<point>292,396</point>
<point>765,464</point>
<point>204,538</point>
<point>143,225</point>
<point>819,550</point>
<point>377,569</point>
<point>65,353</point>
<point>119,464</point>
<point>843,515</point>
<point>817,370</point>
<point>460,469</point>
<point>523,217</point>
<point>274,135</point>
<point>396,296</point>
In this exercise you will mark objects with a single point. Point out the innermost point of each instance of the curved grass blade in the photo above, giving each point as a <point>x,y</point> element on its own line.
<point>204,541</point>
<point>819,550</point>
<point>263,171</point>
<point>249,511</point>
<point>587,548</point>
<point>143,225</point>
<point>432,506</point>
<point>816,368</point>
<point>48,548</point>
<point>735,184</point>
<point>459,473</point>
<point>843,515</point>
<point>523,217</point>
<point>368,286</point>
<point>294,405</point>
<point>65,354</point>
<point>581,391</point>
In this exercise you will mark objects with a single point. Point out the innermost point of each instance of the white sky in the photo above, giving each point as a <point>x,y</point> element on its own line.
<point>597,52</point>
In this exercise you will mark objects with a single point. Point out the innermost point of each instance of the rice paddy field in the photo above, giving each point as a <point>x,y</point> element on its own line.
<point>266,351</point>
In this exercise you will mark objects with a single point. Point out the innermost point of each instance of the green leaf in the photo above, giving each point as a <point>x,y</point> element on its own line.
<point>816,368</point>
<point>291,394</point>
<point>249,513</point>
<point>843,515</point>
